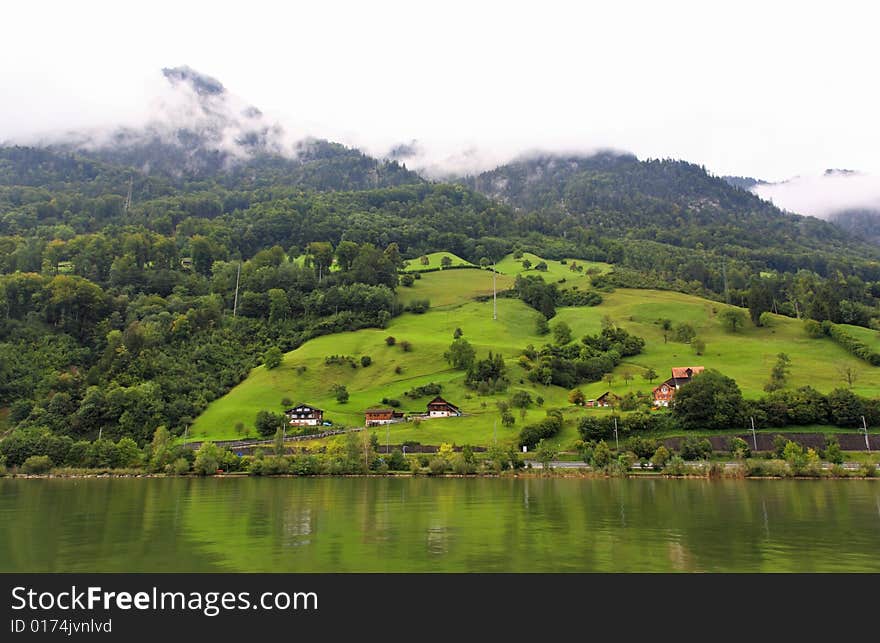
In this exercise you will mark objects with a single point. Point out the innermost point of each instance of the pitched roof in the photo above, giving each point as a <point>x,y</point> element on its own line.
<point>686,372</point>
<point>303,406</point>
<point>440,400</point>
<point>670,383</point>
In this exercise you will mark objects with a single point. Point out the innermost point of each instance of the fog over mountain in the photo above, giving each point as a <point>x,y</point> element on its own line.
<point>824,195</point>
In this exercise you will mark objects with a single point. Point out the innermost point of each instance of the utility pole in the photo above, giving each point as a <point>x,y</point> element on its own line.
<point>237,280</point>
<point>387,439</point>
<point>724,273</point>
<point>754,435</point>
<point>616,441</point>
<point>865,429</point>
<point>494,294</point>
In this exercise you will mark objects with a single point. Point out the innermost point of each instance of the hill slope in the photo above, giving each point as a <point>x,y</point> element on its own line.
<point>672,202</point>
<point>746,356</point>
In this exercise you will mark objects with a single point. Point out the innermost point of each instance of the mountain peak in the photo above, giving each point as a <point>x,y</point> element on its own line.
<point>201,84</point>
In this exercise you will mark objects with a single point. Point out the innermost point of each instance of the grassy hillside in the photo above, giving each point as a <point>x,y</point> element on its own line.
<point>451,288</point>
<point>870,337</point>
<point>434,259</point>
<point>556,270</point>
<point>747,356</point>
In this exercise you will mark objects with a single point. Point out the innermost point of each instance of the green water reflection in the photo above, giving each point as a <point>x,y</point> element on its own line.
<point>480,525</point>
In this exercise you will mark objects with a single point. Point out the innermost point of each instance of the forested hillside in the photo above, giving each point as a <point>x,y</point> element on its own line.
<point>677,220</point>
<point>118,308</point>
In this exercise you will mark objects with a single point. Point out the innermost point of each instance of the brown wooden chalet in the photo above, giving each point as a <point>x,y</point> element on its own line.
<point>304,415</point>
<point>375,417</point>
<point>440,408</point>
<point>606,399</point>
<point>681,375</point>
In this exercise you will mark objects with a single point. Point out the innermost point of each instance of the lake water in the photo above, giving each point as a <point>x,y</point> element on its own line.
<point>434,525</point>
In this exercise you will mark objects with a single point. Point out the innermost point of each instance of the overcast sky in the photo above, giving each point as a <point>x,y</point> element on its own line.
<point>767,89</point>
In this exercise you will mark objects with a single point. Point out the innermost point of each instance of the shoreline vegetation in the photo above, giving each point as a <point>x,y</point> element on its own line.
<point>742,472</point>
<point>359,453</point>
<point>596,462</point>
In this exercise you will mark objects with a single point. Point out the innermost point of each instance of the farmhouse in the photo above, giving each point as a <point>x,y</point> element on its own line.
<point>606,399</point>
<point>440,408</point>
<point>681,375</point>
<point>375,417</point>
<point>304,415</point>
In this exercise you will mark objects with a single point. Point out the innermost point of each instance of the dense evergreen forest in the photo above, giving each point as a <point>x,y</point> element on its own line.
<point>117,286</point>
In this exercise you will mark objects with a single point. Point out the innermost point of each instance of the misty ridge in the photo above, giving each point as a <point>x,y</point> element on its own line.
<point>195,126</point>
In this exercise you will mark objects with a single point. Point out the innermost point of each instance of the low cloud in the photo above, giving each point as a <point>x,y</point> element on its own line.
<point>824,195</point>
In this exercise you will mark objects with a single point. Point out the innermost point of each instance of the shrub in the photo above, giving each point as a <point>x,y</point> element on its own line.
<point>541,325</point>
<point>390,341</point>
<point>397,461</point>
<point>676,466</point>
<point>832,451</point>
<point>531,434</point>
<point>596,428</point>
<point>273,358</point>
<point>854,345</point>
<point>521,399</point>
<point>180,466</point>
<point>779,442</point>
<point>306,465</point>
<point>739,448</point>
<point>561,333</point>
<point>407,280</point>
<point>460,354</point>
<point>208,459</point>
<point>794,455</point>
<point>418,306</point>
<point>601,456</point>
<point>813,328</point>
<point>366,360</point>
<point>390,401</point>
<point>683,332</point>
<point>37,464</point>
<point>274,465</point>
<point>661,457</point>
<point>644,448</point>
<point>771,468</point>
<point>406,346</point>
<point>268,422</point>
<point>432,388</point>
<point>437,466</point>
<point>693,448</point>
<point>341,393</point>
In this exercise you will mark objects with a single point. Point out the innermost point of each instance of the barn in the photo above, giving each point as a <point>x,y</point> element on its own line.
<point>379,416</point>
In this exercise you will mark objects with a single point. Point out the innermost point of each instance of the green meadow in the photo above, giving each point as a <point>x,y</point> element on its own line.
<point>556,270</point>
<point>747,356</point>
<point>435,260</point>
<point>452,288</point>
